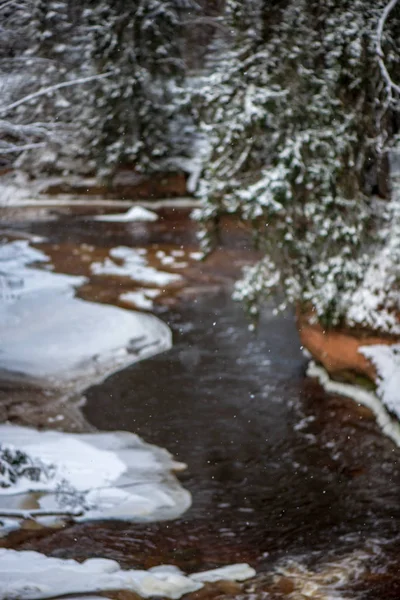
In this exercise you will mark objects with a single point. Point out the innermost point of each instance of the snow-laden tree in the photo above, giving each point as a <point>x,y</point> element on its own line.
<point>297,118</point>
<point>135,111</point>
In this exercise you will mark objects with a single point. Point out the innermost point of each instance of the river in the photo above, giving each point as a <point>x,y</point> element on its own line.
<point>282,475</point>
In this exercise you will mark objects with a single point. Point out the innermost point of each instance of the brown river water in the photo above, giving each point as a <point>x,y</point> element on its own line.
<point>299,483</point>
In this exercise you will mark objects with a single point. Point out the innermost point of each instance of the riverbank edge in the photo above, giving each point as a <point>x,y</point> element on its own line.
<point>389,425</point>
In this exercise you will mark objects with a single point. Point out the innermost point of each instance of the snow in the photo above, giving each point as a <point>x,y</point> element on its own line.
<point>389,425</point>
<point>30,575</point>
<point>134,265</point>
<point>85,341</point>
<point>142,299</point>
<point>238,572</point>
<point>170,259</point>
<point>196,255</point>
<point>17,279</point>
<point>11,193</point>
<point>386,359</point>
<point>136,213</point>
<point>102,475</point>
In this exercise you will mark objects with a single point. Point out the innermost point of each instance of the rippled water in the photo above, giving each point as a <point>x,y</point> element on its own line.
<point>272,461</point>
<point>277,468</point>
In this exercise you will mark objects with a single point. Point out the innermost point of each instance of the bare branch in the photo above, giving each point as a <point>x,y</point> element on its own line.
<point>32,514</point>
<point>379,33</point>
<point>15,148</point>
<point>51,89</point>
<point>23,131</point>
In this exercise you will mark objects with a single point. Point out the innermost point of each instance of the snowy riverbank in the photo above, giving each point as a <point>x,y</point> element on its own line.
<point>33,576</point>
<point>386,420</point>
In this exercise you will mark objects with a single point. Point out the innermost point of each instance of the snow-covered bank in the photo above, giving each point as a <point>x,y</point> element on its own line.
<point>50,336</point>
<point>33,576</point>
<point>100,475</point>
<point>386,359</point>
<point>389,425</point>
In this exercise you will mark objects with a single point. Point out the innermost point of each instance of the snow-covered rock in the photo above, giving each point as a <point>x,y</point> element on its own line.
<point>103,475</point>
<point>33,576</point>
<point>136,213</point>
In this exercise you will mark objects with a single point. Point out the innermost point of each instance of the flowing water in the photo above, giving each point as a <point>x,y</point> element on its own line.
<point>294,481</point>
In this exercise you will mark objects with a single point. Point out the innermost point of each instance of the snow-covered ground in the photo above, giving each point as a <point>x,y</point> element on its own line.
<point>33,576</point>
<point>49,335</point>
<point>105,475</point>
<point>389,425</point>
<point>386,359</point>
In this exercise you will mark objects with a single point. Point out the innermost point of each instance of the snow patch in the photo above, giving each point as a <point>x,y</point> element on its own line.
<point>142,299</point>
<point>132,263</point>
<point>85,341</point>
<point>239,572</point>
<point>17,278</point>
<point>30,575</point>
<point>101,475</point>
<point>386,359</point>
<point>136,213</point>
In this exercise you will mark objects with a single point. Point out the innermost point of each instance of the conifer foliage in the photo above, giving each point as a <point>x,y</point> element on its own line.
<point>140,45</point>
<point>298,121</point>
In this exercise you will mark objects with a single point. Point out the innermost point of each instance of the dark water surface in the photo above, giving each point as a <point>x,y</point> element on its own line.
<point>276,467</point>
<point>272,463</point>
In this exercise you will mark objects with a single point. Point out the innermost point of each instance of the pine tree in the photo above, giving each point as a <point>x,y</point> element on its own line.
<point>140,45</point>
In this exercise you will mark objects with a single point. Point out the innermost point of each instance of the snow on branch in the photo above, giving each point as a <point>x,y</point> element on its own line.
<point>13,4</point>
<point>51,89</point>
<point>10,149</point>
<point>381,24</point>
